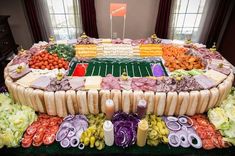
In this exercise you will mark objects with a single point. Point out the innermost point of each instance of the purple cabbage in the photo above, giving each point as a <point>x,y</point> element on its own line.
<point>125,127</point>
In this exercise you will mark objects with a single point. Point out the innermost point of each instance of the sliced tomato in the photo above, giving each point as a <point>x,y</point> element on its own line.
<point>41,129</point>
<point>31,130</point>
<point>44,116</point>
<point>35,124</point>
<point>48,138</point>
<point>27,140</point>
<point>45,123</point>
<point>27,135</point>
<point>53,122</point>
<point>26,145</point>
<point>37,144</point>
<point>38,137</point>
<point>54,129</point>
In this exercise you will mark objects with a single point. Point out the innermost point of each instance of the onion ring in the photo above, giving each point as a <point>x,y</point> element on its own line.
<point>74,141</point>
<point>172,118</point>
<point>184,141</point>
<point>185,120</point>
<point>81,146</point>
<point>173,128</point>
<point>174,140</point>
<point>195,136</point>
<point>65,143</point>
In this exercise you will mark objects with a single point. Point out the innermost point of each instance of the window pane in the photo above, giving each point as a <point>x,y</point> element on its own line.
<point>69,6</point>
<point>198,20</point>
<point>190,20</point>
<point>193,6</point>
<point>72,33</point>
<point>202,6</point>
<point>61,33</point>
<point>177,33</point>
<point>195,34</point>
<point>180,20</point>
<point>58,6</point>
<point>70,20</point>
<point>60,21</point>
<point>183,6</point>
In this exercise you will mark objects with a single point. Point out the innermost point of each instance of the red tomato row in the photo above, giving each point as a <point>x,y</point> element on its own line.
<point>42,131</point>
<point>44,60</point>
<point>211,138</point>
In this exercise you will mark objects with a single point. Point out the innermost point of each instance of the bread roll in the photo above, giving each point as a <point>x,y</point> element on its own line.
<point>27,95</point>
<point>5,72</point>
<point>222,90</point>
<point>49,98</point>
<point>14,92</point>
<point>193,102</point>
<point>116,96</point>
<point>203,101</point>
<point>182,103</point>
<point>82,102</point>
<point>214,96</point>
<point>171,102</point>
<point>93,101</point>
<point>60,100</point>
<point>32,99</point>
<point>159,103</point>
<point>8,82</point>
<point>20,92</point>
<point>137,95</point>
<point>39,100</point>
<point>127,100</point>
<point>104,95</point>
<point>149,98</point>
<point>71,101</point>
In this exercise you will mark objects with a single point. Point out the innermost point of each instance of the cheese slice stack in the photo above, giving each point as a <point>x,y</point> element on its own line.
<point>93,82</point>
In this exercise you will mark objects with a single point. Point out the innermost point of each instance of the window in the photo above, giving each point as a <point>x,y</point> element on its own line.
<point>64,18</point>
<point>186,18</point>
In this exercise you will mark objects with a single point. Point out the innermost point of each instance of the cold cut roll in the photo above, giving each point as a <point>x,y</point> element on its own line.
<point>193,102</point>
<point>50,104</point>
<point>39,100</point>
<point>93,101</point>
<point>71,102</point>
<point>159,103</point>
<point>60,101</point>
<point>171,102</point>
<point>116,96</point>
<point>127,100</point>
<point>149,97</point>
<point>104,95</point>
<point>204,97</point>
<point>82,102</point>
<point>214,96</point>
<point>137,95</point>
<point>182,103</point>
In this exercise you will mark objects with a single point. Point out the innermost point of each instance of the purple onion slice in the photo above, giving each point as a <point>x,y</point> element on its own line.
<point>65,143</point>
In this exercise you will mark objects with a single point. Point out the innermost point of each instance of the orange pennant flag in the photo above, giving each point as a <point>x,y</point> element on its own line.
<point>118,9</point>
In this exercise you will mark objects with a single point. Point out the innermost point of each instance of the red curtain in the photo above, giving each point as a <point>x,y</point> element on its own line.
<point>33,20</point>
<point>162,24</point>
<point>89,18</point>
<point>218,22</point>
